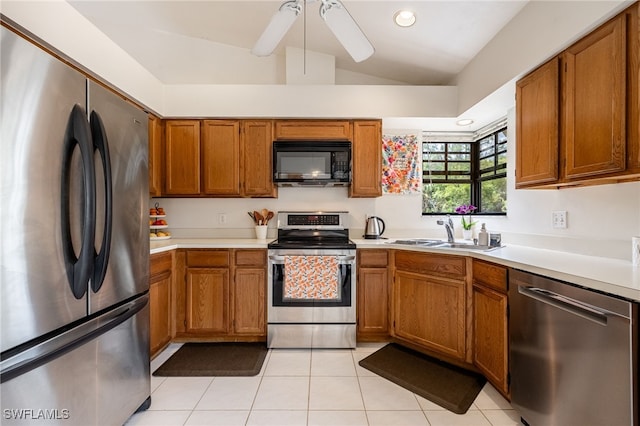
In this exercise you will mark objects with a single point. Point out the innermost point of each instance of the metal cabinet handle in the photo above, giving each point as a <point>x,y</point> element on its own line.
<point>340,257</point>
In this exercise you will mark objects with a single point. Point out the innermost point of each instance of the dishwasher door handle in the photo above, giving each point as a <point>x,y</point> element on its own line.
<point>567,304</point>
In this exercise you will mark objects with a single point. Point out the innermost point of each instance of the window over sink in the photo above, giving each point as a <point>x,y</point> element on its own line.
<point>465,168</point>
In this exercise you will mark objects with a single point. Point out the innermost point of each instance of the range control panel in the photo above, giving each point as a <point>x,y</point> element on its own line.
<point>306,220</point>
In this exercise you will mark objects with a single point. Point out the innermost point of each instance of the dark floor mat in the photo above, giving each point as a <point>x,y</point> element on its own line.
<point>215,359</point>
<point>449,386</point>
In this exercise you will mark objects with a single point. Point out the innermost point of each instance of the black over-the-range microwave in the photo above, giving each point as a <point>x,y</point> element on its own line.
<point>325,163</point>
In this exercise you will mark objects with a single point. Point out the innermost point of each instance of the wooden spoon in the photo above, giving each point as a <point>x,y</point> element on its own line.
<point>264,213</point>
<point>268,217</point>
<point>258,217</point>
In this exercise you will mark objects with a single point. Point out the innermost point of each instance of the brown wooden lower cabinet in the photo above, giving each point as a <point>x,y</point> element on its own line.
<point>223,295</point>
<point>249,298</point>
<point>490,323</point>
<point>160,314</point>
<point>208,300</point>
<point>429,302</point>
<point>373,295</point>
<point>422,299</point>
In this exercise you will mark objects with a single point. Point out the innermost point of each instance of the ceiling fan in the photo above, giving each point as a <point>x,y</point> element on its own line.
<point>334,14</point>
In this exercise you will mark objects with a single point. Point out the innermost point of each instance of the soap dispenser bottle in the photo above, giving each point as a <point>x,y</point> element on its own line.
<point>483,236</point>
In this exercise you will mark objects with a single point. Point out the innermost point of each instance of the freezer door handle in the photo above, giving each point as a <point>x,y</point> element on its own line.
<point>101,145</point>
<point>58,346</point>
<point>79,268</point>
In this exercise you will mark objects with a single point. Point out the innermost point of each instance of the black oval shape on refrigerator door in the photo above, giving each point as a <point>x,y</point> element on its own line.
<point>79,268</point>
<point>101,145</point>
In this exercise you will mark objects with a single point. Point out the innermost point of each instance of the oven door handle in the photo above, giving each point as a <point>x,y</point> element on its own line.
<point>341,258</point>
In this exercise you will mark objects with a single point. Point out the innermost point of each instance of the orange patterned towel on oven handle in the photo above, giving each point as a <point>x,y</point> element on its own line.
<point>311,277</point>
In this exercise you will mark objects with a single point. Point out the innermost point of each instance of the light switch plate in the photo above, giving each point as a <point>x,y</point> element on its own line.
<point>559,219</point>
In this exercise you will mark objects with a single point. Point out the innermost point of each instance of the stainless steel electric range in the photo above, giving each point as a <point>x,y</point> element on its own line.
<point>312,282</point>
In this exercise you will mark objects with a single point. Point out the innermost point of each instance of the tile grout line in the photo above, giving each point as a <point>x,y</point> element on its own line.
<point>253,402</point>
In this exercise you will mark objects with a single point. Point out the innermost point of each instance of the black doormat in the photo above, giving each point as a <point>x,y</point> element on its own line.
<point>447,385</point>
<point>215,359</point>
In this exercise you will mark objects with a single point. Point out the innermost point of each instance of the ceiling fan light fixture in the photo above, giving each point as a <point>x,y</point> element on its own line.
<point>279,25</point>
<point>346,30</point>
<point>404,18</point>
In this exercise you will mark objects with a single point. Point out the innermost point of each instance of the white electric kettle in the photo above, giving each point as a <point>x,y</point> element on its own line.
<point>374,228</point>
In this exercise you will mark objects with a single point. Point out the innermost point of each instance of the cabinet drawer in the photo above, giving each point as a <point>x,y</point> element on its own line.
<point>431,264</point>
<point>207,258</point>
<point>373,258</point>
<point>313,130</point>
<point>159,263</point>
<point>251,258</point>
<point>490,275</point>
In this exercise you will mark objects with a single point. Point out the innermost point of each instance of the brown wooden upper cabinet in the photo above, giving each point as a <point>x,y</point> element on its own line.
<point>182,157</point>
<point>313,129</point>
<point>537,126</point>
<point>233,158</point>
<point>594,109</point>
<point>577,115</point>
<point>221,157</point>
<point>256,142</point>
<point>366,147</point>
<point>218,158</point>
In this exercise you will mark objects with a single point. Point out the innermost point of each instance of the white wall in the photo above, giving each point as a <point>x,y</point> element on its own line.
<point>64,29</point>
<point>539,31</point>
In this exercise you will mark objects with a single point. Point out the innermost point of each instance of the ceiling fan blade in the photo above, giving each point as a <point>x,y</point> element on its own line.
<point>280,23</point>
<point>346,30</point>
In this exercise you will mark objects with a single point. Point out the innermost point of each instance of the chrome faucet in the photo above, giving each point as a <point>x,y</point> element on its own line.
<point>448,225</point>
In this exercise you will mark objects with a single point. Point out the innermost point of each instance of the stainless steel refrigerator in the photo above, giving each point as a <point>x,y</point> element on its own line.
<point>74,245</point>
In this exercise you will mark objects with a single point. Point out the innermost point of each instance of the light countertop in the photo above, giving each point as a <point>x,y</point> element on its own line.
<point>613,276</point>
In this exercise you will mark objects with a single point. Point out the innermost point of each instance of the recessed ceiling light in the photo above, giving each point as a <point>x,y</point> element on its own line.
<point>404,18</point>
<point>464,122</point>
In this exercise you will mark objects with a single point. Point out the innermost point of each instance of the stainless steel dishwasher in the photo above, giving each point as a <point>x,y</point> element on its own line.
<point>573,354</point>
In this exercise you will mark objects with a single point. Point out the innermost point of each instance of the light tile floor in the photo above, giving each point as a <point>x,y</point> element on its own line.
<point>307,387</point>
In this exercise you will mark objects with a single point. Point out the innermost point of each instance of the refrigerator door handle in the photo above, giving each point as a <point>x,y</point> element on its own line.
<point>50,350</point>
<point>79,268</point>
<point>101,145</point>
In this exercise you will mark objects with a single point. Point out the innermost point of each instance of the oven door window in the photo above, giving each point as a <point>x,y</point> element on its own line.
<point>308,289</point>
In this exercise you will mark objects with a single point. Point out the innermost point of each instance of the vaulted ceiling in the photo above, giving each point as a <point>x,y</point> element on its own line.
<point>209,42</point>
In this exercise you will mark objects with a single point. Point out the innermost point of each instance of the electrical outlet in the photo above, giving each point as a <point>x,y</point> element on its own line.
<point>222,218</point>
<point>559,219</point>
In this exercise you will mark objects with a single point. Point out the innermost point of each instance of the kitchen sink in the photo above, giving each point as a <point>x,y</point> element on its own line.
<point>467,246</point>
<point>418,242</point>
<point>424,242</point>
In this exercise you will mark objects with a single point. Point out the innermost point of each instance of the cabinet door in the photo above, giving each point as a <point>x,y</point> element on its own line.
<point>208,300</point>
<point>155,156</point>
<point>537,130</point>
<point>313,130</point>
<point>594,107</point>
<point>256,151</point>
<point>182,157</point>
<point>249,301</point>
<point>221,157</point>
<point>159,312</point>
<point>633,87</point>
<point>430,311</point>
<point>373,313</point>
<point>490,337</point>
<point>366,159</point>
